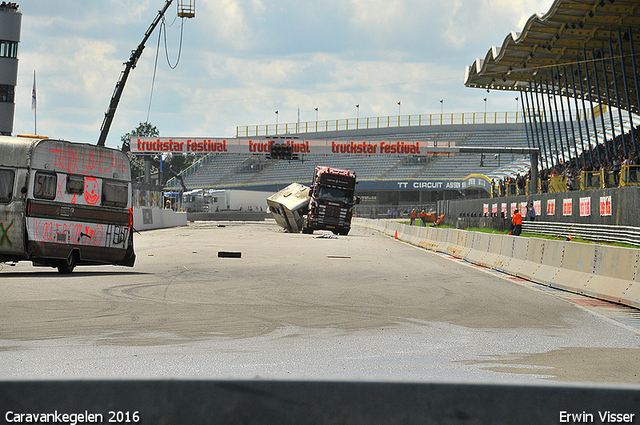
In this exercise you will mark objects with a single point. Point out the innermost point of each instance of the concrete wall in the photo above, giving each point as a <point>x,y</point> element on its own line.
<point>157,218</point>
<point>160,218</point>
<point>604,272</point>
<point>624,206</point>
<point>229,216</point>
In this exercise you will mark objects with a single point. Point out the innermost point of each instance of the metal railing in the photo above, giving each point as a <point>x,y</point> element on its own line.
<point>379,122</point>
<point>589,232</point>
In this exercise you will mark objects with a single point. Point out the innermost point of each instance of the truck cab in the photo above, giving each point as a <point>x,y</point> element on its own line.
<point>331,201</point>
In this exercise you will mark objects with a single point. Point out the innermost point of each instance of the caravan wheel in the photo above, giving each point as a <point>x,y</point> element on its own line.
<point>67,265</point>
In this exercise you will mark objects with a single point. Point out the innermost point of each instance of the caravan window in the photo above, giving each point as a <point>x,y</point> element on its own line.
<point>75,185</point>
<point>6,185</point>
<point>44,185</point>
<point>115,194</point>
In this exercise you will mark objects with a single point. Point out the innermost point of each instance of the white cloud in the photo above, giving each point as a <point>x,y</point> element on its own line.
<point>243,59</point>
<point>228,22</point>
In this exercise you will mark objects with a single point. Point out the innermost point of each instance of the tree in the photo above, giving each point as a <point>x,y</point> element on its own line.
<point>176,162</point>
<point>144,129</point>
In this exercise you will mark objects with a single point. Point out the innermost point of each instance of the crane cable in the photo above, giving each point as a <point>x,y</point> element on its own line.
<point>166,49</point>
<point>153,80</point>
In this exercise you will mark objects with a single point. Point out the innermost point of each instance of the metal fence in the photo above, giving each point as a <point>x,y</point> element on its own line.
<point>380,122</point>
<point>392,211</point>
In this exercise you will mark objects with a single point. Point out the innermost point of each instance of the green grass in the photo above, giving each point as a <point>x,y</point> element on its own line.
<point>535,235</point>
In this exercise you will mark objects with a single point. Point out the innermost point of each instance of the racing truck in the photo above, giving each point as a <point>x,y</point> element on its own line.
<point>326,205</point>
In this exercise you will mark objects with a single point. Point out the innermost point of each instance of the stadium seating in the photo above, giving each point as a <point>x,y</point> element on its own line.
<point>227,170</point>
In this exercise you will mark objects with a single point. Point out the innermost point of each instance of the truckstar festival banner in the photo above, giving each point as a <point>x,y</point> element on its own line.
<point>263,146</point>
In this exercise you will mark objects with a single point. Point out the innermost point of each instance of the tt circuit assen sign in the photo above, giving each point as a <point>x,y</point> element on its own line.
<point>263,146</point>
<point>470,182</point>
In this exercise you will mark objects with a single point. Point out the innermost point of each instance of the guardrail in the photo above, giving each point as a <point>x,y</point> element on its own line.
<point>379,122</point>
<point>590,232</point>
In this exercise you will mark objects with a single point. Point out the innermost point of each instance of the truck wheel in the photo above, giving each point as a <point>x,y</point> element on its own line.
<point>344,232</point>
<point>67,265</point>
<point>307,231</point>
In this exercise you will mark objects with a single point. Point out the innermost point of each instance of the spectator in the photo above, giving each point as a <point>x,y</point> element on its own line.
<point>531,212</point>
<point>616,170</point>
<point>516,222</point>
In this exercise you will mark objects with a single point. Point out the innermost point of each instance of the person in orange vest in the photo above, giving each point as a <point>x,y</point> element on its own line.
<point>423,217</point>
<point>516,222</point>
<point>413,217</point>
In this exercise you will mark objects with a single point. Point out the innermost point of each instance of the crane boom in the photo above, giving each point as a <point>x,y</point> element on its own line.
<point>129,65</point>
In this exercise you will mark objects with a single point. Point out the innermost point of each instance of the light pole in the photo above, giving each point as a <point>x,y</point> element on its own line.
<point>357,111</point>
<point>441,106</point>
<point>485,109</point>
<point>517,108</point>
<point>276,122</point>
<point>316,114</point>
<point>399,103</point>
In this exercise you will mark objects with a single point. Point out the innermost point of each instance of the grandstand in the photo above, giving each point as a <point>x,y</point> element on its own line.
<point>375,173</point>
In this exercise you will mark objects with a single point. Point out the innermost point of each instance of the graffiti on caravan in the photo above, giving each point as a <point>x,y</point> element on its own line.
<point>87,160</point>
<point>65,232</point>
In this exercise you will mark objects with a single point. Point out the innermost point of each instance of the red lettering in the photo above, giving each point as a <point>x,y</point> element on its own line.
<point>91,161</point>
<point>260,147</point>
<point>109,163</point>
<point>60,186</point>
<point>99,234</point>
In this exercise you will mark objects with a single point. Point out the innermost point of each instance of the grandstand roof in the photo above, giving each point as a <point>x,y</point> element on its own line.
<point>572,32</point>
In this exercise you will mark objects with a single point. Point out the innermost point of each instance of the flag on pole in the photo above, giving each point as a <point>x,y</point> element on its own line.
<point>33,105</point>
<point>33,93</point>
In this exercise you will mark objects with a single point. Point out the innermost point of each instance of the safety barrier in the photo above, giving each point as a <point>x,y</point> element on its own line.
<point>157,218</point>
<point>605,272</point>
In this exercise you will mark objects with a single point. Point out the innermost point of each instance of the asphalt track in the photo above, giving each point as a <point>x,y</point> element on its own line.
<point>364,307</point>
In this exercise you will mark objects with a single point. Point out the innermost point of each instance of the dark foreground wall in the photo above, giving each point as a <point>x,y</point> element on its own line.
<point>197,402</point>
<point>625,206</point>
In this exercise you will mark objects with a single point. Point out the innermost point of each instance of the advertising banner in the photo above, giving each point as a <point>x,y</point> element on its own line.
<point>585,207</point>
<point>143,145</point>
<point>551,207</point>
<point>567,207</point>
<point>605,205</point>
<point>470,182</point>
<point>537,207</point>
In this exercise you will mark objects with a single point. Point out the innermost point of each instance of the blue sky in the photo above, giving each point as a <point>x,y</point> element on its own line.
<point>242,60</point>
